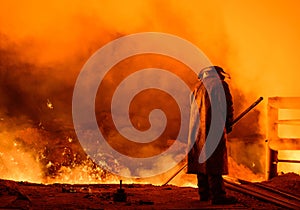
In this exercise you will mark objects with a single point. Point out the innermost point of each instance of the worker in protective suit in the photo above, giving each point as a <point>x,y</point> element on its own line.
<point>211,85</point>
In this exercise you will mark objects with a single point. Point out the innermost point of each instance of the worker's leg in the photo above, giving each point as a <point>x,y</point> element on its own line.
<point>216,184</point>
<point>203,187</point>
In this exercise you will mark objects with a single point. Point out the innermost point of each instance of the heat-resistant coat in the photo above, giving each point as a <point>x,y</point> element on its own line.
<point>217,162</point>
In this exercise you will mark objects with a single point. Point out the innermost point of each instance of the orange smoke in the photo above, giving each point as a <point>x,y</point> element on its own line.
<point>256,42</point>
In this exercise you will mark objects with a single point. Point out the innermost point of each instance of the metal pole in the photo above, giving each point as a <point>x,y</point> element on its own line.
<point>233,122</point>
<point>247,110</point>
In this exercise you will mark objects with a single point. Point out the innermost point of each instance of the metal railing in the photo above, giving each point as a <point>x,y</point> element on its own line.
<point>274,142</point>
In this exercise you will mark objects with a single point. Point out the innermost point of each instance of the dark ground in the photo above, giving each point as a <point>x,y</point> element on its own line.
<point>23,195</point>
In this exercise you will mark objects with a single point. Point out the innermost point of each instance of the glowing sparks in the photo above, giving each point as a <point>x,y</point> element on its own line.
<point>49,164</point>
<point>49,104</point>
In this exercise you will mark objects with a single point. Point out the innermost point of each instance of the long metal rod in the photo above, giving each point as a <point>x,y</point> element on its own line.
<point>233,122</point>
<point>288,161</point>
<point>264,195</point>
<point>247,110</point>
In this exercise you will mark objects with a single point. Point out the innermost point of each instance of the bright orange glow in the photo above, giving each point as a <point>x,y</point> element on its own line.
<point>290,127</point>
<point>285,167</point>
<point>257,43</point>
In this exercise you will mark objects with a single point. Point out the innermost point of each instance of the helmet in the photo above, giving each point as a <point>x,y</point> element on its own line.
<point>211,70</point>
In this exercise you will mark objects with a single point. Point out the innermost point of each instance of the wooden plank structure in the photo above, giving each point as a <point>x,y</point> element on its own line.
<point>274,142</point>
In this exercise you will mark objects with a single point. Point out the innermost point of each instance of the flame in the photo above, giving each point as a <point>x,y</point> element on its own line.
<point>16,163</point>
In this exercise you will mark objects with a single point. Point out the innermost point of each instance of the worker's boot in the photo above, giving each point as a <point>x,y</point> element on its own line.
<point>224,200</point>
<point>218,192</point>
<point>204,196</point>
